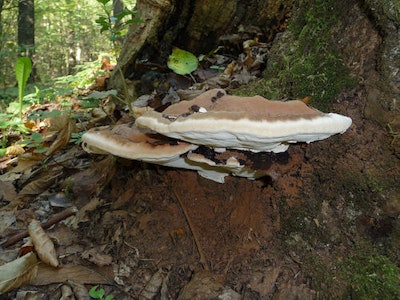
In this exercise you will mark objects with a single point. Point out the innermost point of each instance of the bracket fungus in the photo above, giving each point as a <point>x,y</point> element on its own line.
<point>216,119</point>
<point>218,134</point>
<point>128,141</point>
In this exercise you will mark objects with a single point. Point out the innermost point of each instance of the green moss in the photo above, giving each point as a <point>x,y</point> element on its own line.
<point>362,274</point>
<point>371,275</point>
<point>303,60</point>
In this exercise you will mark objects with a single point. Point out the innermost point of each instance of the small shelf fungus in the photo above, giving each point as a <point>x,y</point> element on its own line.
<point>218,134</point>
<point>131,142</point>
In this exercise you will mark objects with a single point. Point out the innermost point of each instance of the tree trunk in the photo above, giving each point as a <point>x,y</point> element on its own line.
<point>26,30</point>
<point>193,25</point>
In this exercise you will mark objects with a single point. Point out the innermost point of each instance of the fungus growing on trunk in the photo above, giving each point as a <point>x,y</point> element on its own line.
<point>128,141</point>
<point>218,120</point>
<point>218,135</point>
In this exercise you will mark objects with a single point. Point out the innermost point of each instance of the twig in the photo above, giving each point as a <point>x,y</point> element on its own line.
<point>50,222</point>
<point>203,260</point>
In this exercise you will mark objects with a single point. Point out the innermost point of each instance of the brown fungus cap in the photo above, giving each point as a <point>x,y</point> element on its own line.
<point>216,119</point>
<point>128,141</point>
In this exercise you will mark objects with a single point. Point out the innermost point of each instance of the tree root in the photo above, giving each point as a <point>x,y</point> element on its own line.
<point>203,259</point>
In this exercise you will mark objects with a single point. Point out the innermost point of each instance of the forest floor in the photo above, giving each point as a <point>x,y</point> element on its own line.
<point>148,232</point>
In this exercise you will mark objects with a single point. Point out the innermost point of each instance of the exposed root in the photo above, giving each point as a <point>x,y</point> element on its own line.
<point>203,260</point>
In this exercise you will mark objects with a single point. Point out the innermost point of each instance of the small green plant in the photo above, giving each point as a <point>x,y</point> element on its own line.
<point>115,25</point>
<point>23,68</point>
<point>76,138</point>
<point>36,141</point>
<point>99,293</point>
<point>395,134</point>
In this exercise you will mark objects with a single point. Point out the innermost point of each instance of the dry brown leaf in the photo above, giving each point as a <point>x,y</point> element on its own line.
<point>79,289</point>
<point>7,218</point>
<point>66,292</point>
<point>91,181</point>
<point>48,275</point>
<point>123,199</point>
<point>43,244</point>
<point>65,127</point>
<point>18,272</point>
<point>99,259</point>
<point>7,191</point>
<point>24,167</point>
<point>82,215</point>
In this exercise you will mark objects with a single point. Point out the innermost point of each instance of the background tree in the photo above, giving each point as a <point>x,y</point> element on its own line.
<point>26,30</point>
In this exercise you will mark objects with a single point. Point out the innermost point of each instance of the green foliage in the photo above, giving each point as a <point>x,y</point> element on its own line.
<point>66,35</point>
<point>8,53</point>
<point>372,276</point>
<point>115,25</point>
<point>96,293</point>
<point>85,75</point>
<point>76,138</point>
<point>23,68</point>
<point>36,141</point>
<point>182,62</point>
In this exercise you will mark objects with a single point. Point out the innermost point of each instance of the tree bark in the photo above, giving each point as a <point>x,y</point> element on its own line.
<point>26,26</point>
<point>193,25</point>
<point>26,31</point>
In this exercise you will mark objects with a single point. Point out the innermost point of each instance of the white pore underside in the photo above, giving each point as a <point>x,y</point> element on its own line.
<point>245,134</point>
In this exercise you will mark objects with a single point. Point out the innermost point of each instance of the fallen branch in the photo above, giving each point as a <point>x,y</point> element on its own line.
<point>50,222</point>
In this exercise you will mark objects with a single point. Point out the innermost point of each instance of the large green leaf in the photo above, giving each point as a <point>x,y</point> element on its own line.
<point>182,62</point>
<point>23,68</point>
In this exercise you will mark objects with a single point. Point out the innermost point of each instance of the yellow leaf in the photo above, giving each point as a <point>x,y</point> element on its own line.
<point>15,150</point>
<point>18,272</point>
<point>43,244</point>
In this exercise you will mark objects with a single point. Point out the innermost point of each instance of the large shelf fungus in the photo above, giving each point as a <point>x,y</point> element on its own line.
<point>128,141</point>
<point>216,119</point>
<point>218,135</point>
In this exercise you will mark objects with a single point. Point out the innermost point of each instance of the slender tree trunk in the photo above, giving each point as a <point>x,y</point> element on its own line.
<point>118,7</point>
<point>1,21</point>
<point>26,30</point>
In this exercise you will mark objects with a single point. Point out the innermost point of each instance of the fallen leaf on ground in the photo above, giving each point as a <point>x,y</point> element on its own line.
<point>7,218</point>
<point>15,150</point>
<point>48,275</point>
<point>7,191</point>
<point>82,216</point>
<point>43,244</point>
<point>18,272</point>
<point>65,127</point>
<point>99,259</point>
